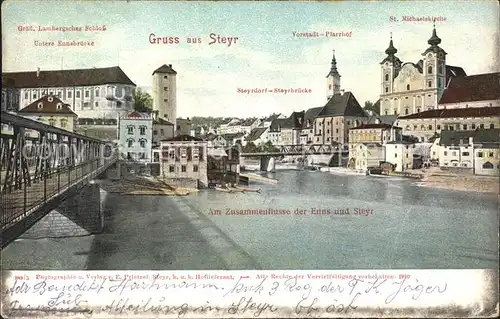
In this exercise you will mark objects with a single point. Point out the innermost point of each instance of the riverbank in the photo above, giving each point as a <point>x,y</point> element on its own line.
<point>473,183</point>
<point>144,185</point>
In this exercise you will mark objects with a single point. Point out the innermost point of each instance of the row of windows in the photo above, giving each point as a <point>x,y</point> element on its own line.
<point>429,71</point>
<point>142,129</point>
<point>142,142</point>
<point>119,92</point>
<point>449,127</point>
<point>478,154</point>
<point>429,85</point>
<point>171,168</point>
<point>486,165</point>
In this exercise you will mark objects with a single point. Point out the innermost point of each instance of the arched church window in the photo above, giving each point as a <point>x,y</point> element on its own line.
<point>386,89</point>
<point>407,87</point>
<point>387,77</point>
<point>429,69</point>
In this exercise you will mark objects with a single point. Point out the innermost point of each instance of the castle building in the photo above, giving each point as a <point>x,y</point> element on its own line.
<point>165,93</point>
<point>91,93</point>
<point>408,88</point>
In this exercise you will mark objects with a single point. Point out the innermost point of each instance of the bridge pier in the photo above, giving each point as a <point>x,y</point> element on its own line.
<point>268,164</point>
<point>79,215</point>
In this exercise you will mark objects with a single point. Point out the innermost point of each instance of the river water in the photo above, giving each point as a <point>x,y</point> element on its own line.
<point>402,226</point>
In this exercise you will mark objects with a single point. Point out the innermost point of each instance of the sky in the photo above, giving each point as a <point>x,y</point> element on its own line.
<point>266,54</point>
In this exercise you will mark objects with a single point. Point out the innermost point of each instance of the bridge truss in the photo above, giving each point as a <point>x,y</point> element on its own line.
<point>288,150</point>
<point>38,164</point>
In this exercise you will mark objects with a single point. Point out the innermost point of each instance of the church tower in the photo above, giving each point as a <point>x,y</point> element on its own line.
<point>165,93</point>
<point>333,79</point>
<point>390,68</point>
<point>434,71</point>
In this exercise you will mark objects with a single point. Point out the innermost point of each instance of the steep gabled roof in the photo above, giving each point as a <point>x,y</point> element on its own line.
<point>454,71</point>
<point>161,121</point>
<point>455,113</point>
<point>310,115</point>
<point>48,104</point>
<point>136,115</point>
<point>165,69</point>
<point>342,105</point>
<point>255,134</point>
<point>65,78</point>
<point>479,87</point>
<point>479,136</point>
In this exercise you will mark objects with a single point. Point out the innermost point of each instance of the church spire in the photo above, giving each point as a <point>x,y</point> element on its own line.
<point>333,69</point>
<point>434,40</point>
<point>391,50</point>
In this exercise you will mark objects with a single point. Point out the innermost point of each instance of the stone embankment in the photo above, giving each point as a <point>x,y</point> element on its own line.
<point>144,185</point>
<point>471,183</point>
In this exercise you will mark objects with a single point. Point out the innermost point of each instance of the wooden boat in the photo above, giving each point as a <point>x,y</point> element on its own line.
<point>234,189</point>
<point>248,189</point>
<point>226,190</point>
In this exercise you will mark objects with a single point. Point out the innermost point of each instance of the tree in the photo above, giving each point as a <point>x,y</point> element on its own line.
<point>143,102</point>
<point>369,106</point>
<point>268,147</point>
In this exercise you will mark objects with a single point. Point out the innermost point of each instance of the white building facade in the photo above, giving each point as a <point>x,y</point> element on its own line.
<point>135,135</point>
<point>105,93</point>
<point>400,154</point>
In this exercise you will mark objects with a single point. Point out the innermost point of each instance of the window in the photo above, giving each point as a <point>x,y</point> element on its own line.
<point>464,127</point>
<point>407,87</point>
<point>473,126</point>
<point>387,76</point>
<point>396,155</point>
<point>63,123</point>
<point>165,100</point>
<point>130,129</point>
<point>78,94</point>
<point>479,154</point>
<point>386,89</point>
<point>438,127</point>
<point>414,127</point>
<point>440,69</point>
<point>418,110</point>
<point>165,88</point>
<point>142,130</point>
<point>465,153</point>
<point>96,104</point>
<point>395,111</point>
<point>96,92</point>
<point>70,95</point>
<point>445,153</point>
<point>429,69</point>
<point>52,122</point>
<point>34,95</point>
<point>26,95</point>
<point>87,93</point>
<point>481,126</point>
<point>118,104</point>
<point>327,131</point>
<point>130,142</point>
<point>492,126</point>
<point>336,130</point>
<point>195,168</point>
<point>451,128</point>
<point>429,84</point>
<point>165,77</point>
<point>348,122</point>
<point>155,132</point>
<point>430,127</point>
<point>142,142</point>
<point>171,168</point>
<point>162,131</point>
<point>487,165</point>
<point>59,93</point>
<point>183,168</point>
<point>490,154</point>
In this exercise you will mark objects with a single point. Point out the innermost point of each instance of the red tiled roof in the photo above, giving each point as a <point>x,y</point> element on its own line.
<point>479,87</point>
<point>455,113</point>
<point>48,104</point>
<point>64,78</point>
<point>137,115</point>
<point>375,125</point>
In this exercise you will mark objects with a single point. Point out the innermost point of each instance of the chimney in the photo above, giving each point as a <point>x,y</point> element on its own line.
<point>38,72</point>
<point>170,65</point>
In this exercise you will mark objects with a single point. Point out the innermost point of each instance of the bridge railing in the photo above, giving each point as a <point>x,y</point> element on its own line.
<point>38,161</point>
